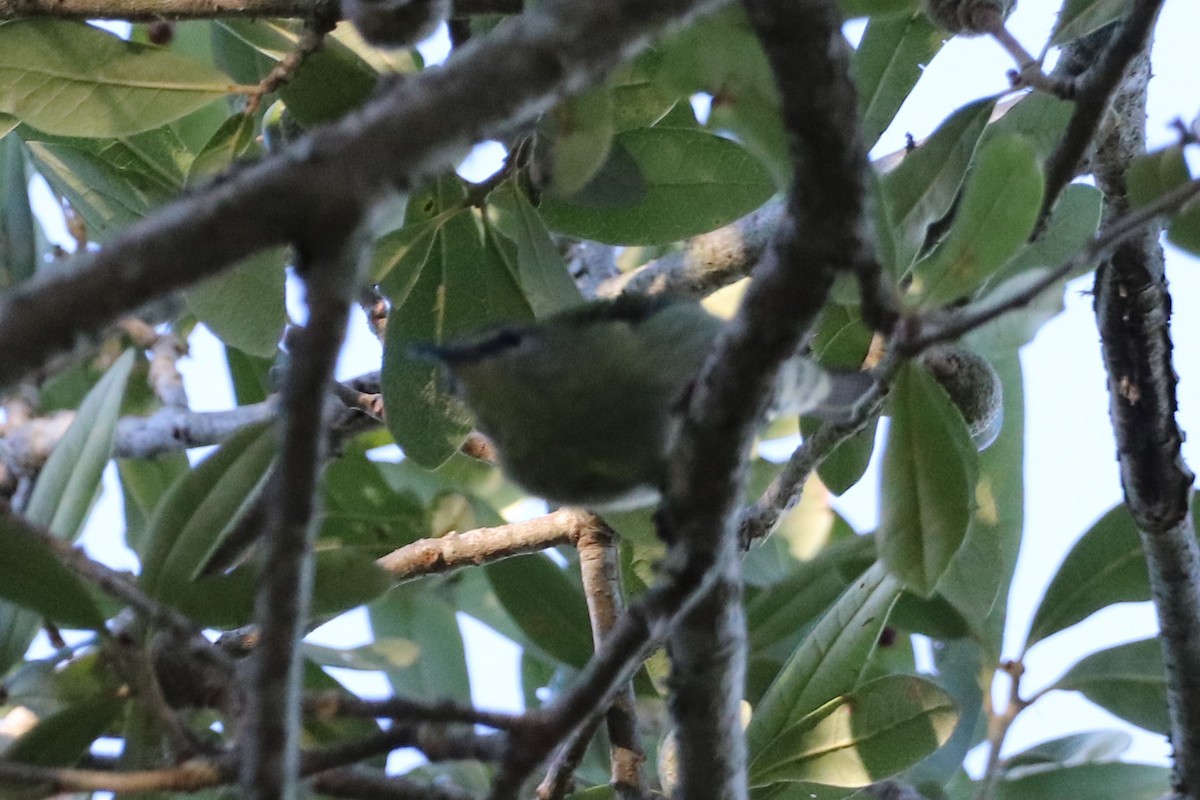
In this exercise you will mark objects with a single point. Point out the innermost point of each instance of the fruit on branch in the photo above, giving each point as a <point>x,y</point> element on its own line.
<point>969,17</point>
<point>396,23</point>
<point>973,386</point>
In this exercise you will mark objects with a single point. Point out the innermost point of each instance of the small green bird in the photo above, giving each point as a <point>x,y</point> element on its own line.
<point>584,407</point>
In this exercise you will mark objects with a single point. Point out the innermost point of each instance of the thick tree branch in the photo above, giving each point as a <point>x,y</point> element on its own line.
<point>508,77</point>
<point>151,10</point>
<point>272,719</point>
<point>1133,310</point>
<point>401,709</point>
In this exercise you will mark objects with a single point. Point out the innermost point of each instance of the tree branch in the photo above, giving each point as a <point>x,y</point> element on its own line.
<point>401,709</point>
<point>484,545</point>
<point>599,564</point>
<point>507,78</point>
<point>1133,310</point>
<point>272,721</point>
<point>372,785</point>
<point>1094,90</point>
<point>152,10</point>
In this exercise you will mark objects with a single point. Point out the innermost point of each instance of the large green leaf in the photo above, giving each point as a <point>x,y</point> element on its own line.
<point>342,579</point>
<point>66,487</point>
<point>1078,18</point>
<point>871,8</point>
<point>443,280</point>
<point>994,219</point>
<point>1129,680</point>
<point>18,237</point>
<point>1105,566</point>
<point>68,483</point>
<point>200,508</point>
<point>244,306</point>
<point>540,265</point>
<point>100,85</point>
<point>930,470</point>
<point>361,510</point>
<point>1090,782</point>
<point>872,733</point>
<point>920,191</point>
<point>1068,751</point>
<point>61,738</point>
<point>414,615</point>
<point>31,576</point>
<point>110,183</point>
<point>887,64</point>
<point>547,606</point>
<point>830,661</point>
<point>661,185</point>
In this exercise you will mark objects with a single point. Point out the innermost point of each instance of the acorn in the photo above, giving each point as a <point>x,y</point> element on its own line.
<point>974,387</point>
<point>969,17</point>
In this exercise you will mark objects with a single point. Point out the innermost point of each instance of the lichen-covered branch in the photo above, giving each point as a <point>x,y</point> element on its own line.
<point>1133,310</point>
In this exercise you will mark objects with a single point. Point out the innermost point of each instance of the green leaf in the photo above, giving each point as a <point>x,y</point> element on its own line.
<point>887,65</point>
<point>234,140</point>
<point>18,236</point>
<point>1090,782</point>
<point>443,282</point>
<point>547,606</point>
<point>639,98</point>
<point>31,576</point>
<point>330,82</point>
<point>111,183</point>
<point>872,733</point>
<point>1129,680</point>
<point>1075,220</point>
<point>577,140</point>
<point>930,469</point>
<point>1078,18</point>
<point>994,219</point>
<point>412,614</point>
<point>68,483</point>
<point>661,185</point>
<point>245,306</point>
<point>61,738</point>
<point>102,86</point>
<point>1068,751</point>
<point>199,510</point>
<point>342,579</point>
<point>543,273</point>
<point>847,462</point>
<point>362,510</point>
<point>144,481</point>
<point>831,660</point>
<point>920,191</point>
<point>1105,566</point>
<point>1154,174</point>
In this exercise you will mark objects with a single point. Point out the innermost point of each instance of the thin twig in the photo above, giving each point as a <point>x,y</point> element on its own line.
<point>336,703</point>
<point>485,545</point>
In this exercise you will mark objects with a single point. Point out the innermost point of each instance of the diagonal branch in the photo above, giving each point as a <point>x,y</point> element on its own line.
<point>507,78</point>
<point>1093,92</point>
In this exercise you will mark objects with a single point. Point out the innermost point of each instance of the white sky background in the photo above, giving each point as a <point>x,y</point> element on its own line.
<point>1070,473</point>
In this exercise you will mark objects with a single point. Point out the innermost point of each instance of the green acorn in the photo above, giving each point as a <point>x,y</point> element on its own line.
<point>969,17</point>
<point>973,386</point>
